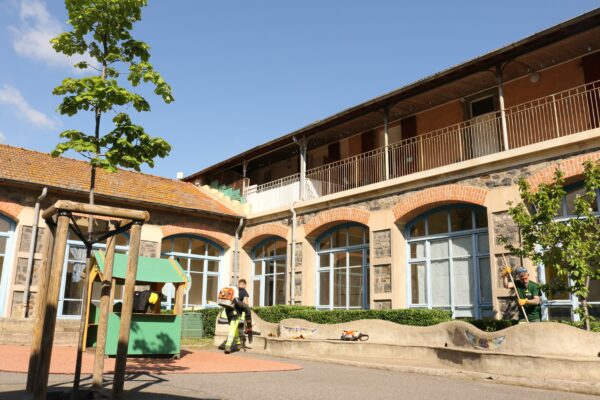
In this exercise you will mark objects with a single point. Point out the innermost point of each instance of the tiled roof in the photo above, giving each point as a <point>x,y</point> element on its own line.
<point>22,165</point>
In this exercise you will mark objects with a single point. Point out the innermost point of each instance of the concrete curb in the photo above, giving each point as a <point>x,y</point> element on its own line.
<point>535,383</point>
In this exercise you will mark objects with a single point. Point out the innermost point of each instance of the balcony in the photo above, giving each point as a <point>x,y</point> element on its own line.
<point>558,115</point>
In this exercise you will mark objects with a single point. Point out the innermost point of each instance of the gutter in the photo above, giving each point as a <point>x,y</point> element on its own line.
<point>32,244</point>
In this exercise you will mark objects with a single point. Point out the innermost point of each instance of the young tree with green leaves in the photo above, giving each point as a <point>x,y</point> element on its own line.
<point>569,246</point>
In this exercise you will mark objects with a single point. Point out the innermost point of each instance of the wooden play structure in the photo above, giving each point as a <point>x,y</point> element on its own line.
<point>152,333</point>
<point>59,218</point>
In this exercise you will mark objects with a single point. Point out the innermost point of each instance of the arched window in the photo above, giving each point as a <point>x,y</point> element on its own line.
<point>268,276</point>
<point>343,267</point>
<point>71,292</point>
<point>561,305</point>
<point>449,262</point>
<point>7,228</point>
<point>200,258</point>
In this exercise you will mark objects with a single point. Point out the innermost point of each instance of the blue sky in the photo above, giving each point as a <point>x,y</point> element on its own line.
<point>246,72</point>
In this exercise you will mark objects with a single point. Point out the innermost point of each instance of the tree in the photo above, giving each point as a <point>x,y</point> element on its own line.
<point>568,246</point>
<point>101,29</point>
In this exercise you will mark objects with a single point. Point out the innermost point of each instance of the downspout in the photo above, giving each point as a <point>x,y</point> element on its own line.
<point>32,244</point>
<point>236,252</point>
<point>293,258</point>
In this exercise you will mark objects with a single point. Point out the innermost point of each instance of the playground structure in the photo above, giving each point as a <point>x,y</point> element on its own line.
<point>59,219</point>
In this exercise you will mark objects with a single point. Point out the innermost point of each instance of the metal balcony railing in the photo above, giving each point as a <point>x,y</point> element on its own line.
<point>560,114</point>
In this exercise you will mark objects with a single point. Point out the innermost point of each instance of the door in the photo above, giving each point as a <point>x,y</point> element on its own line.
<point>591,73</point>
<point>482,136</point>
<point>406,159</point>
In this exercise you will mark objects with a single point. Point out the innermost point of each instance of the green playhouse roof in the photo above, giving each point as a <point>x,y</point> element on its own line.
<point>149,269</point>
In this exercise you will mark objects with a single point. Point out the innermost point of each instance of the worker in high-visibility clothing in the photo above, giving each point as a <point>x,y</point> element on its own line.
<point>238,314</point>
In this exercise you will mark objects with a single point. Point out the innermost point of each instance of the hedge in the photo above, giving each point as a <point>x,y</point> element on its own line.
<point>414,317</point>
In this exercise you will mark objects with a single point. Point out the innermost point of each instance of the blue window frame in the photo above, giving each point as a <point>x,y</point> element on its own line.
<point>343,268</point>
<point>201,259</point>
<point>268,274</point>
<point>562,305</point>
<point>448,261</point>
<point>7,228</point>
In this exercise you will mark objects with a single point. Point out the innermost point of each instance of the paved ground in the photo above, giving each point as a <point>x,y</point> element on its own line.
<point>16,359</point>
<point>314,381</point>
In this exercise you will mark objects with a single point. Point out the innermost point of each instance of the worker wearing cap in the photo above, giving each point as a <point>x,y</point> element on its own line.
<point>529,293</point>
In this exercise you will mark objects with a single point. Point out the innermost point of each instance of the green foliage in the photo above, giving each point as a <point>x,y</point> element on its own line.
<point>209,316</point>
<point>102,30</point>
<point>569,247</point>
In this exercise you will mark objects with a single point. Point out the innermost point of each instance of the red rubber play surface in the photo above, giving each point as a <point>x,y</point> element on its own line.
<point>16,359</point>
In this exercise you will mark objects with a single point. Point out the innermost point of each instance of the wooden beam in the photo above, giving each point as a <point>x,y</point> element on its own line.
<point>179,295</point>
<point>40,310</point>
<point>105,309</point>
<point>126,312</point>
<point>66,205</point>
<point>51,304</point>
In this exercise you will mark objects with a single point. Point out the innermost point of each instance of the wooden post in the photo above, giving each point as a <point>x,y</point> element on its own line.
<point>126,312</point>
<point>40,310</point>
<point>179,294</point>
<point>51,304</point>
<point>83,323</point>
<point>105,309</point>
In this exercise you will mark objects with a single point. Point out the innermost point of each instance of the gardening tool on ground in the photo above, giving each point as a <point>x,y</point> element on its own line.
<point>506,265</point>
<point>354,336</point>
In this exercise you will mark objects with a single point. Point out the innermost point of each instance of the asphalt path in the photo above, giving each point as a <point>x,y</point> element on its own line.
<point>315,381</point>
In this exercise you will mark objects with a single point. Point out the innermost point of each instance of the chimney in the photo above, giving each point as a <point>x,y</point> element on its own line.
<point>180,175</point>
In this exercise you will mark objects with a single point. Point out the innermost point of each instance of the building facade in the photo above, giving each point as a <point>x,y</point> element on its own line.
<point>399,202</point>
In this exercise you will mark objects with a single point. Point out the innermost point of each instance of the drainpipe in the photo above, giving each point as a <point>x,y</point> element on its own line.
<point>32,244</point>
<point>293,258</point>
<point>386,142</point>
<point>502,111</point>
<point>236,258</point>
<point>302,144</point>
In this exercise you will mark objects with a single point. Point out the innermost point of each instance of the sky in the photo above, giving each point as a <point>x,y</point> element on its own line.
<point>246,72</point>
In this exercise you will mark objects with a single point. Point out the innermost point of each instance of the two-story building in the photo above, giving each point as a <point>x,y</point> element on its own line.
<point>398,202</point>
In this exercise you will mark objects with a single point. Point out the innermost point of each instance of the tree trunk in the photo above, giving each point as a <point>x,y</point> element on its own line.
<point>584,304</point>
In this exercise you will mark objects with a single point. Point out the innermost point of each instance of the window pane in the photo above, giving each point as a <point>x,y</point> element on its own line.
<point>461,219</point>
<point>462,246</point>
<point>439,249</point>
<point>440,283</point>
<point>324,288</point>
<point>417,250</point>
<point>71,307</point>
<point>325,243</point>
<point>556,282</point>
<point>570,200</point>
<point>181,245</point>
<point>418,280</point>
<point>280,247</point>
<point>481,218</point>
<point>438,223</point>
<point>74,283</point>
<point>594,294</point>
<point>195,293</point>
<point>269,288</point>
<point>258,268</point>
<point>167,246</point>
<point>338,238</point>
<point>355,258</point>
<point>4,225</point>
<point>418,228</point>
<point>280,295</point>
<point>196,265</point>
<point>559,313</point>
<point>270,249</point>
<point>324,260</point>
<point>485,280</point>
<point>198,247</point>
<point>339,259</point>
<point>213,266</point>
<point>356,287</point>
<point>259,252</point>
<point>269,267</point>
<point>463,283</point>
<point>355,235</point>
<point>3,241</point>
<point>483,243</point>
<point>212,288</point>
<point>256,294</point>
<point>339,287</point>
<point>280,266</point>
<point>213,251</point>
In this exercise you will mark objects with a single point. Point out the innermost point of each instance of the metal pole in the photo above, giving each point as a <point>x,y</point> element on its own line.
<point>386,143</point>
<point>127,310</point>
<point>302,144</point>
<point>293,257</point>
<point>236,258</point>
<point>33,243</point>
<point>502,111</point>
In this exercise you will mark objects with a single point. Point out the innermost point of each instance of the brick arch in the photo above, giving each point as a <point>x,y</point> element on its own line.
<point>190,228</point>
<point>254,234</point>
<point>572,168</point>
<point>419,202</point>
<point>326,219</point>
<point>10,209</point>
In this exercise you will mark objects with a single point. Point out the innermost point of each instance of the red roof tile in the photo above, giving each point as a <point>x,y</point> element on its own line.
<point>22,165</point>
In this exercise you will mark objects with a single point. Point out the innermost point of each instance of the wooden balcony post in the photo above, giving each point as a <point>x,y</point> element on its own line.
<point>105,309</point>
<point>127,309</point>
<point>302,144</point>
<point>502,110</point>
